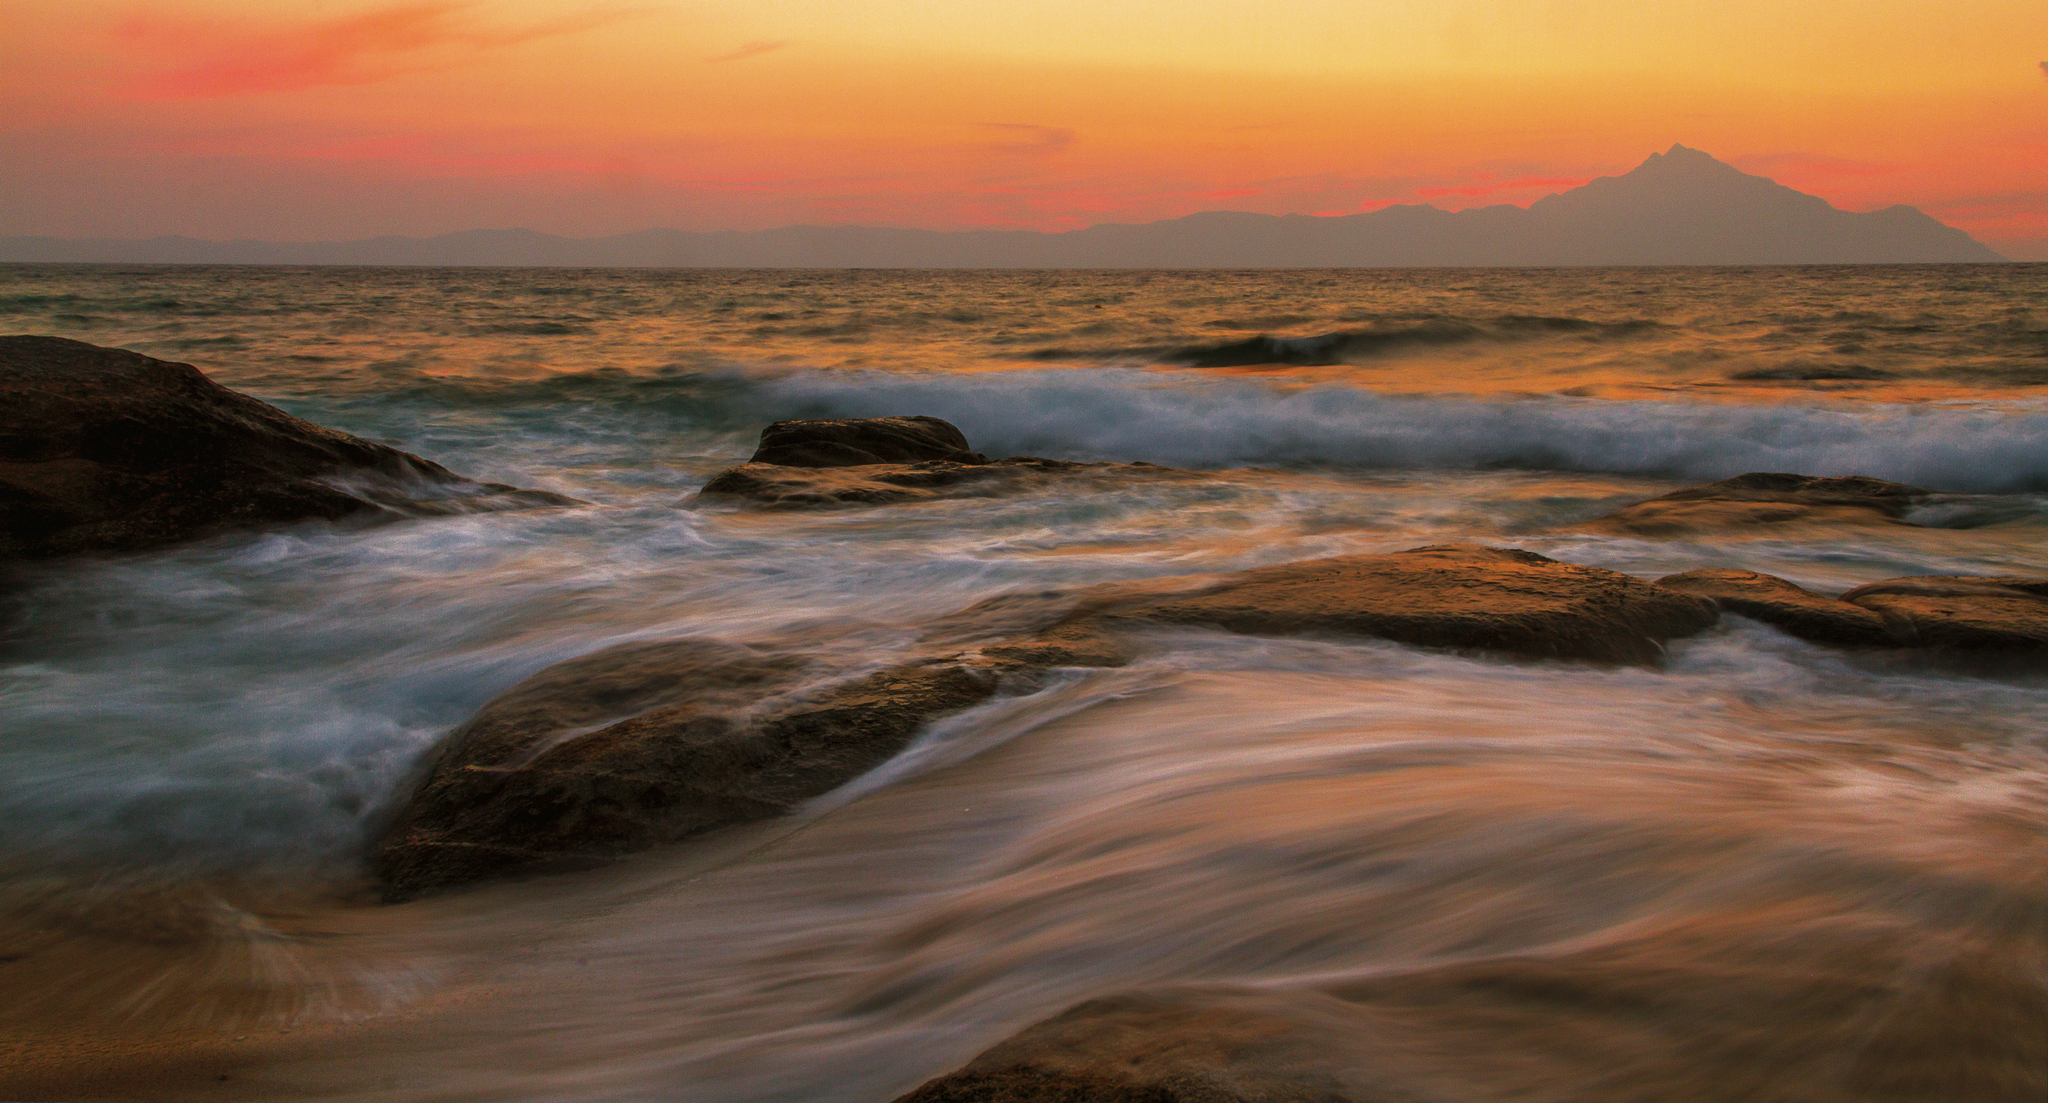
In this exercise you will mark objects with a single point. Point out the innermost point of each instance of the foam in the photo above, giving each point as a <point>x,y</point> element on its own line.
<point>1189,421</point>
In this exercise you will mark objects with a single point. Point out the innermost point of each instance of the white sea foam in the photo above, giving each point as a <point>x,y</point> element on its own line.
<point>1189,421</point>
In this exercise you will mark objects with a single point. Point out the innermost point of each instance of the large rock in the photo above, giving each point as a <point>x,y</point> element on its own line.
<point>649,743</point>
<point>1450,595</point>
<point>852,442</point>
<point>1785,606</point>
<point>645,744</point>
<point>108,450</point>
<point>1961,613</point>
<point>1764,498</point>
<point>884,460</point>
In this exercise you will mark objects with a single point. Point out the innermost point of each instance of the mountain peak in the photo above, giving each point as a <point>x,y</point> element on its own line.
<point>1683,159</point>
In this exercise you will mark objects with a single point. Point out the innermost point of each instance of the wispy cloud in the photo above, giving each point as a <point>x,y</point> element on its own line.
<point>751,49</point>
<point>2044,68</point>
<point>1034,140</point>
<point>363,48</point>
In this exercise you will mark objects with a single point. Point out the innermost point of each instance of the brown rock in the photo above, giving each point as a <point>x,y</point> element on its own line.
<point>1764,498</point>
<point>651,743</point>
<point>1785,606</point>
<point>855,442</point>
<point>1448,595</point>
<point>1961,613</point>
<point>776,486</point>
<point>882,460</point>
<point>1214,1045</point>
<point>646,744</point>
<point>1774,1009</point>
<point>109,450</point>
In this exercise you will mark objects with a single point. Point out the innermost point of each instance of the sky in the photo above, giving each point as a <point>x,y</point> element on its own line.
<point>336,119</point>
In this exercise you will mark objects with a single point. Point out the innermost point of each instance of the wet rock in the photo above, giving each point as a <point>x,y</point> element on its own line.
<point>108,450</point>
<point>1770,1009</point>
<point>651,743</point>
<point>1449,595</point>
<point>1764,498</point>
<point>1785,606</point>
<point>645,744</point>
<point>1961,613</point>
<point>854,442</point>
<point>1213,1045</point>
<point>776,486</point>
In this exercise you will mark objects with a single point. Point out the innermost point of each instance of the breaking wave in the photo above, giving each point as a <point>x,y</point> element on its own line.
<point>1213,423</point>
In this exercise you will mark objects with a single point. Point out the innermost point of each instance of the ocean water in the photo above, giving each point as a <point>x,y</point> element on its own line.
<point>201,742</point>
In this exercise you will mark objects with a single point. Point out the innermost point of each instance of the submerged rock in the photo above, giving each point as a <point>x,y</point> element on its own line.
<point>1785,606</point>
<point>1765,498</point>
<point>1961,613</point>
<point>1446,595</point>
<point>649,743</point>
<point>109,450</point>
<point>1773,1009</point>
<point>883,460</point>
<point>880,484</point>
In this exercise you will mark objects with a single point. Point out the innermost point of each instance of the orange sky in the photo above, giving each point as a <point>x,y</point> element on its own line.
<point>344,118</point>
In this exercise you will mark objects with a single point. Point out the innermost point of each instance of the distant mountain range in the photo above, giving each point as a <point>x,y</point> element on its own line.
<point>1678,207</point>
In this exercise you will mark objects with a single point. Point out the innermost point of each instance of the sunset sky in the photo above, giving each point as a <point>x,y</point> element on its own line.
<point>340,118</point>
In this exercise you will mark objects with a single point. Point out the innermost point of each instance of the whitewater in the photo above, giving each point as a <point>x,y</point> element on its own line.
<point>202,742</point>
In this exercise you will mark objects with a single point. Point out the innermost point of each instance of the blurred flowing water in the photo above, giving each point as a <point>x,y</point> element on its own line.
<point>201,741</point>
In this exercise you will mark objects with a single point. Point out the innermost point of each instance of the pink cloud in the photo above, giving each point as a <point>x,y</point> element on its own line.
<point>369,46</point>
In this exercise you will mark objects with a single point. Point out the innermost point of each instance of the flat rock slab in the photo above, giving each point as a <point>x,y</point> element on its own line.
<point>1786,606</point>
<point>649,743</point>
<point>1961,613</point>
<point>1764,499</point>
<point>775,486</point>
<point>885,460</point>
<point>1450,595</point>
<point>109,450</point>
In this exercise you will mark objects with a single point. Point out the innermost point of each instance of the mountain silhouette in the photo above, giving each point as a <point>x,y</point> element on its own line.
<point>1678,207</point>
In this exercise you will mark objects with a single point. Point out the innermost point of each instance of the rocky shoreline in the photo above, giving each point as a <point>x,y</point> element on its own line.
<point>647,744</point>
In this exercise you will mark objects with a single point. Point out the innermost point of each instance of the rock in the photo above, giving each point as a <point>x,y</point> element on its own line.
<point>1448,595</point>
<point>1771,1009</point>
<point>776,486</point>
<point>108,450</point>
<point>1961,613</point>
<point>1785,606</point>
<point>1195,1045</point>
<point>854,442</point>
<point>1764,498</point>
<point>645,744</point>
<point>651,743</point>
<point>883,460</point>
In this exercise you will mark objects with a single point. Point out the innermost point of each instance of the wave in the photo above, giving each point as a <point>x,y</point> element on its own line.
<point>1339,347</point>
<point>1125,414</point>
<point>1194,419</point>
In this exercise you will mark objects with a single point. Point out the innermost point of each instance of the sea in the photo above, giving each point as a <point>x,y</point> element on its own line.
<point>199,744</point>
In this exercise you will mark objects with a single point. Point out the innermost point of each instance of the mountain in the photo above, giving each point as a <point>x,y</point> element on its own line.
<point>1677,207</point>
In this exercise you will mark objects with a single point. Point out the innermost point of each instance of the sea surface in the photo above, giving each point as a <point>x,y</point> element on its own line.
<point>198,744</point>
